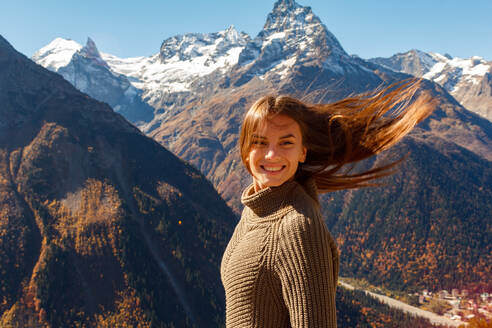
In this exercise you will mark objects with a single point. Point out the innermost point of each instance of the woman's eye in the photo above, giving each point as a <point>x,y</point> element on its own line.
<point>286,143</point>
<point>258,142</point>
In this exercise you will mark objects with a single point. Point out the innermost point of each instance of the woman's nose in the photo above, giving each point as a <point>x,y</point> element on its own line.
<point>271,153</point>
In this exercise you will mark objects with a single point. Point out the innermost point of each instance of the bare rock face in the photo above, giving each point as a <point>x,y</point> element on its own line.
<point>476,96</point>
<point>99,224</point>
<point>467,80</point>
<point>414,62</point>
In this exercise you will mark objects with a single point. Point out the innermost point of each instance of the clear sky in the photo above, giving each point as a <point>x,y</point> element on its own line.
<point>363,27</point>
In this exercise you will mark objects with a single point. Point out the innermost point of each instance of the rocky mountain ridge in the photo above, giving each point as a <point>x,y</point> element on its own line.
<point>469,80</point>
<point>188,66</point>
<point>197,65</point>
<point>292,35</point>
<point>166,80</point>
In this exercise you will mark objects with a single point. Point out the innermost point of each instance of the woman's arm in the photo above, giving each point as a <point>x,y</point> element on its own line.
<point>307,264</point>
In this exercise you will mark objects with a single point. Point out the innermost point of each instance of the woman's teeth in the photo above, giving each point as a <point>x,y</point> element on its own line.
<point>273,169</point>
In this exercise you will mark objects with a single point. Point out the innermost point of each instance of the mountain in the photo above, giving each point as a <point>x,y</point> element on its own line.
<point>185,69</point>
<point>427,227</point>
<point>56,54</point>
<point>85,69</point>
<point>442,191</point>
<point>468,80</point>
<point>292,35</point>
<point>293,54</point>
<point>181,72</point>
<point>99,225</point>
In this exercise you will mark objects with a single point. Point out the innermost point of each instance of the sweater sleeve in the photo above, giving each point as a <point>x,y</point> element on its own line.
<point>307,265</point>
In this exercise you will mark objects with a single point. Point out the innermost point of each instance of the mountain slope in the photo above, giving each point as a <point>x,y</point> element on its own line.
<point>427,227</point>
<point>100,225</point>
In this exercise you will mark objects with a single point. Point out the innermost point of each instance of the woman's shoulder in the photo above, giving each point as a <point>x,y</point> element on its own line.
<point>305,203</point>
<point>303,231</point>
<point>304,218</point>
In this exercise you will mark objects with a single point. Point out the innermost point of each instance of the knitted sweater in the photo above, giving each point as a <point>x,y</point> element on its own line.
<point>280,268</point>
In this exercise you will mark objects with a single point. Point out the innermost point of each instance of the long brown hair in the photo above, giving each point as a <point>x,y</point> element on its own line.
<point>344,132</point>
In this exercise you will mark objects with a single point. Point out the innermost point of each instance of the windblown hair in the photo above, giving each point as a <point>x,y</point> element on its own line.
<point>344,132</point>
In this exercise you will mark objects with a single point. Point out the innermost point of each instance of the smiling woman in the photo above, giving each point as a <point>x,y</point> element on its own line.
<point>280,268</point>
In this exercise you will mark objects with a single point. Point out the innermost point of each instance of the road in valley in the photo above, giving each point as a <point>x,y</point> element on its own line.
<point>433,318</point>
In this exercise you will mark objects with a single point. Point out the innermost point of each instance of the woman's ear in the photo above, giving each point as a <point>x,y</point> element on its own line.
<point>303,155</point>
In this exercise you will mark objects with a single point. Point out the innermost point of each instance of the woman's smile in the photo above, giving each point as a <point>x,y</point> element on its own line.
<point>272,169</point>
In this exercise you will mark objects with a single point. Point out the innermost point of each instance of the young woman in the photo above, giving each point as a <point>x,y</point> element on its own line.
<point>280,267</point>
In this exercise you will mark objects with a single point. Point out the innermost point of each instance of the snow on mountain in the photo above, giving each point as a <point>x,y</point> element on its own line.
<point>171,77</point>
<point>188,66</point>
<point>181,61</point>
<point>291,35</point>
<point>300,28</point>
<point>194,65</point>
<point>56,54</point>
<point>85,69</point>
<point>471,70</point>
<point>469,80</point>
<point>210,48</point>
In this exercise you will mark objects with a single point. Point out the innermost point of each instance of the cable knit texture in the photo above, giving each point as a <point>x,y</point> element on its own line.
<point>280,268</point>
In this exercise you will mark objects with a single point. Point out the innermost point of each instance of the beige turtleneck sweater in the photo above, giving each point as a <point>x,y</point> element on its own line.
<point>280,268</point>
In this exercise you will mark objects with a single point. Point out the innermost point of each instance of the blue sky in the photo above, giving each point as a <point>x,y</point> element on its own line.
<point>363,27</point>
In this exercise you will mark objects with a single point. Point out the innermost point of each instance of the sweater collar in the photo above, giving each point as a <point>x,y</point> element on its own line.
<point>267,201</point>
<point>274,202</point>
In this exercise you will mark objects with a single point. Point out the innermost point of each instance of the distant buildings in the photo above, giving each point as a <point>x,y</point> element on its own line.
<point>463,306</point>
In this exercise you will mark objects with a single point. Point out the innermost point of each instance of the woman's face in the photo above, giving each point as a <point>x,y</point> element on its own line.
<point>276,152</point>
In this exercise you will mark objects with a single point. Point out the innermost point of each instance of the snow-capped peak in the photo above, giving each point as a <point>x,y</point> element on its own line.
<point>292,34</point>
<point>469,68</point>
<point>285,5</point>
<point>465,79</point>
<point>232,35</point>
<point>300,28</point>
<point>286,15</point>
<point>56,54</point>
<point>423,56</point>
<point>181,62</point>
<point>192,45</point>
<point>90,51</point>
